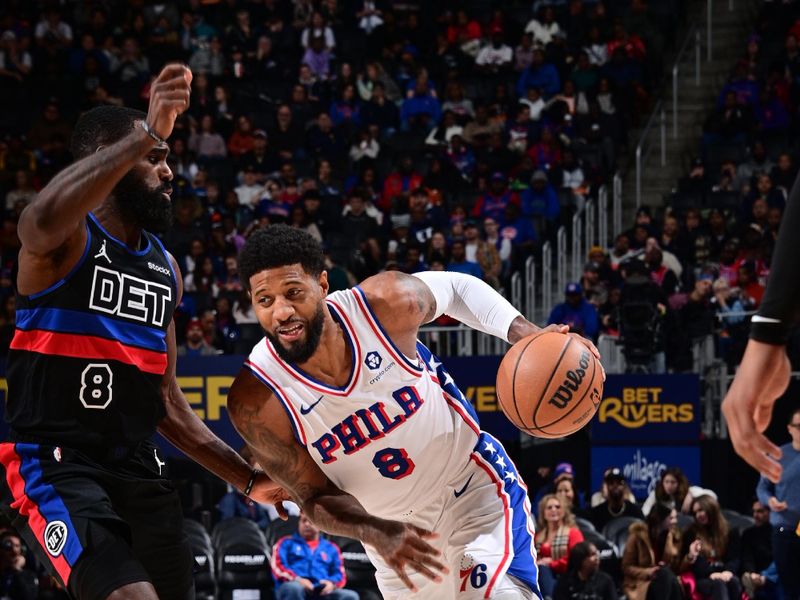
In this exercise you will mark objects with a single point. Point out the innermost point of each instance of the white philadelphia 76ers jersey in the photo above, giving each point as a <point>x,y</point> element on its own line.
<point>395,434</point>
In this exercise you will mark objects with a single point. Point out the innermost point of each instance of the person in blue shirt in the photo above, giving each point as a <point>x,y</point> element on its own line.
<point>577,312</point>
<point>458,260</point>
<point>306,565</point>
<point>783,499</point>
<point>541,75</point>
<point>541,200</point>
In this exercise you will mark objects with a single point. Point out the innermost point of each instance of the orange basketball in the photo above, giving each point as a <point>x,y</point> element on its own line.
<point>549,385</point>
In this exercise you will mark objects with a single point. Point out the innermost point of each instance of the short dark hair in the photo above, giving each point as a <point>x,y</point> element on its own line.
<point>101,126</point>
<point>278,246</point>
<point>579,552</point>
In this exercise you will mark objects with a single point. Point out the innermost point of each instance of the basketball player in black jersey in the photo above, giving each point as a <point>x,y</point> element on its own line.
<point>91,369</point>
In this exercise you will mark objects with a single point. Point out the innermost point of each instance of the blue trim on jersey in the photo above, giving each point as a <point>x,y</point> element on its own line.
<point>77,266</point>
<point>353,366</point>
<point>169,262</point>
<point>50,504</point>
<point>120,243</point>
<point>282,400</point>
<point>522,566</point>
<point>446,381</point>
<point>73,321</point>
<point>402,356</point>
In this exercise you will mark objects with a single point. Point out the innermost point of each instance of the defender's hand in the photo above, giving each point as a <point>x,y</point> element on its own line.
<point>762,377</point>
<point>169,97</point>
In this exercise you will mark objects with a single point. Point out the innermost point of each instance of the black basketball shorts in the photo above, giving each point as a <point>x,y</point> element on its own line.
<point>98,526</point>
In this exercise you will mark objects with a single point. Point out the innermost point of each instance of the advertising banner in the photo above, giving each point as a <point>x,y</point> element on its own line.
<point>648,408</point>
<point>642,464</point>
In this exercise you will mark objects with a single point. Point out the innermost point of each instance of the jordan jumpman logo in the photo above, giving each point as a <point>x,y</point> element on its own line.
<point>103,252</point>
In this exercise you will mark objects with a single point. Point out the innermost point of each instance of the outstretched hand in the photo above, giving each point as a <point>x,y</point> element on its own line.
<point>762,378</point>
<point>169,97</point>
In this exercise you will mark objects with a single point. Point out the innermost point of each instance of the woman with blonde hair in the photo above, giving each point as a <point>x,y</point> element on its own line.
<point>556,534</point>
<point>643,577</point>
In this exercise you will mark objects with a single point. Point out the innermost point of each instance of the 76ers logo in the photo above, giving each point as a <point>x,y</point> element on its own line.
<point>55,536</point>
<point>474,574</point>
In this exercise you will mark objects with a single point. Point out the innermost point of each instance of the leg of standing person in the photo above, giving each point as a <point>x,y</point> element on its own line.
<point>786,550</point>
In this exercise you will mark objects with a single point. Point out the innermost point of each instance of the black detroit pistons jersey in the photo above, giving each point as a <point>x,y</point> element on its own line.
<point>88,354</point>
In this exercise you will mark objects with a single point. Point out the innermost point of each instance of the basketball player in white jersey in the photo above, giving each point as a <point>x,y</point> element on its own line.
<point>366,429</point>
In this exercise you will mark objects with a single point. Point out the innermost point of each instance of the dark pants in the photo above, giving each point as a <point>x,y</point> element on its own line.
<point>665,586</point>
<point>716,589</point>
<point>786,550</point>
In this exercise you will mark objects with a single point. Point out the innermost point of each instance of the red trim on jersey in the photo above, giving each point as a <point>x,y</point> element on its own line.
<point>478,460</point>
<point>401,360</point>
<point>456,406</point>
<point>89,347</point>
<point>319,386</point>
<point>26,506</point>
<point>282,397</point>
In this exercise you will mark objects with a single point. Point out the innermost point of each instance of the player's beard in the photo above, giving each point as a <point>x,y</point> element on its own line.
<point>301,350</point>
<point>143,206</point>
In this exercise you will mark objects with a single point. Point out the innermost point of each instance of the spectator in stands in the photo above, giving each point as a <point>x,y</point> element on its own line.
<point>664,277</point>
<point>621,251</point>
<point>697,314</point>
<point>671,489</point>
<point>481,253</point>
<point>643,577</point>
<point>715,567</point>
<point>758,162</point>
<point>541,74</point>
<point>751,290</point>
<point>493,203</point>
<point>17,580</point>
<point>584,579</point>
<point>783,173</point>
<point>595,290</point>
<point>540,202</point>
<point>757,541</point>
<point>196,344</point>
<point>577,312</point>
<point>306,565</point>
<point>458,260</point>
<point>556,535</point>
<point>400,183</point>
<point>665,536</point>
<point>783,500</point>
<point>731,123</point>
<point>615,505</point>
<point>569,495</point>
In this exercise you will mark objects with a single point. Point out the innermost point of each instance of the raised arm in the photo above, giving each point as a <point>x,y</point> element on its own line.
<point>56,215</point>
<point>263,424</point>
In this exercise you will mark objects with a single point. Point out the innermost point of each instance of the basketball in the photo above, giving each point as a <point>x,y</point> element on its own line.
<point>549,385</point>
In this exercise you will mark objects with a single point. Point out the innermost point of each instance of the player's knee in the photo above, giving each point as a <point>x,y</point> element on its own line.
<point>141,590</point>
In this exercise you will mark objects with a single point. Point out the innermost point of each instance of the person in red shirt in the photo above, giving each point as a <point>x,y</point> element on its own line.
<point>556,534</point>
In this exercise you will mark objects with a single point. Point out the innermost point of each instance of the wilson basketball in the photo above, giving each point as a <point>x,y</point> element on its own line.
<point>549,385</point>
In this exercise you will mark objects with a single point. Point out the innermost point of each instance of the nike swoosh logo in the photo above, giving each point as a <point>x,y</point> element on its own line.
<point>304,410</point>
<point>760,319</point>
<point>457,493</point>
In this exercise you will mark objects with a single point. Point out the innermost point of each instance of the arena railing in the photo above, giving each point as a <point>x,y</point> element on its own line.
<point>683,54</point>
<point>645,146</point>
